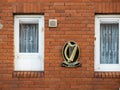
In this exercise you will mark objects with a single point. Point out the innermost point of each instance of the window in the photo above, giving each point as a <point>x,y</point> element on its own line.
<point>107,44</point>
<point>29,43</point>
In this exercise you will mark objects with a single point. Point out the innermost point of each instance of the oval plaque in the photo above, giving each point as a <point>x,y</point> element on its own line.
<point>70,54</point>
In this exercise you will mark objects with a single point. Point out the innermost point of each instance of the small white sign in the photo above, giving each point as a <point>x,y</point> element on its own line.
<point>52,23</point>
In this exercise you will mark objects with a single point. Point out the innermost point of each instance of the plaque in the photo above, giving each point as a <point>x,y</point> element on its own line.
<point>70,54</point>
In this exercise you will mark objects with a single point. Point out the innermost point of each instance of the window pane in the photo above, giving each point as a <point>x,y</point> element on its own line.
<point>109,43</point>
<point>28,38</point>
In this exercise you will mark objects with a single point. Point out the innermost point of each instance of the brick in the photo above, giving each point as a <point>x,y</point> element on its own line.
<point>12,1</point>
<point>59,4</point>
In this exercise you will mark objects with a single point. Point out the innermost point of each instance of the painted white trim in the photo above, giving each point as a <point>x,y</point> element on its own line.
<point>109,20</point>
<point>29,20</point>
<point>104,19</point>
<point>31,61</point>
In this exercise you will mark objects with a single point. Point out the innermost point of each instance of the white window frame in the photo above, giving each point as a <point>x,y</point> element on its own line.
<point>104,19</point>
<point>32,65</point>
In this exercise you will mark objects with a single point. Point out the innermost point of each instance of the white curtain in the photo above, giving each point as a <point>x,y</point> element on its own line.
<point>28,38</point>
<point>109,43</point>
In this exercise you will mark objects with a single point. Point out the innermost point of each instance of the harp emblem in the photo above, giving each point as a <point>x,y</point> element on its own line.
<point>70,54</point>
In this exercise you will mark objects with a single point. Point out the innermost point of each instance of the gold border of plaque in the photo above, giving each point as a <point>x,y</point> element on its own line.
<point>70,53</point>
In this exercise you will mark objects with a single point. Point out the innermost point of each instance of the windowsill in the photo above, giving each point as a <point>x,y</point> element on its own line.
<point>107,74</point>
<point>28,74</point>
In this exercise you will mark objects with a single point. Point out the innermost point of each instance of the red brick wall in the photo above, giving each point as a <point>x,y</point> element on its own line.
<point>75,22</point>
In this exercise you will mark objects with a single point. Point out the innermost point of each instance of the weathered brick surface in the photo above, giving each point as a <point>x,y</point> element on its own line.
<point>75,22</point>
